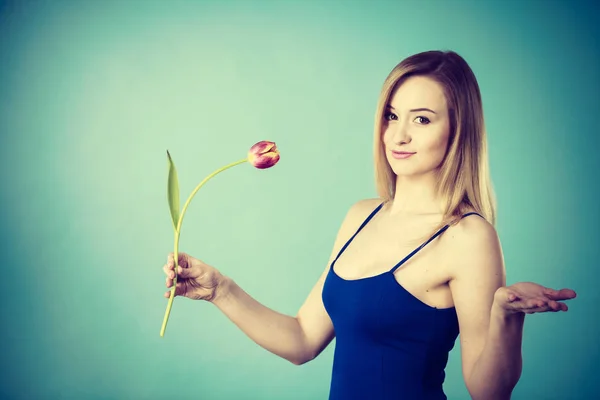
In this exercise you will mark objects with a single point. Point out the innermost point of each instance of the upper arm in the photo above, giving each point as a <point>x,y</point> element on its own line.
<point>312,316</point>
<point>478,271</point>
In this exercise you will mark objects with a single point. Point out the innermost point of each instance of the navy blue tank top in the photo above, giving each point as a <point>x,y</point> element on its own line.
<point>389,344</point>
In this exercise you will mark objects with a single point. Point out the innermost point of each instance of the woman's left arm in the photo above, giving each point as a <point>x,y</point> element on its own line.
<point>491,315</point>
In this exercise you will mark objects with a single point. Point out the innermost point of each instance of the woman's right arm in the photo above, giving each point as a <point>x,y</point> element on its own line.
<point>297,339</point>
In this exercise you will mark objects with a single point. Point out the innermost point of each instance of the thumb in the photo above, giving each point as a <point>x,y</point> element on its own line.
<point>183,259</point>
<point>185,270</point>
<point>182,272</point>
<point>511,296</point>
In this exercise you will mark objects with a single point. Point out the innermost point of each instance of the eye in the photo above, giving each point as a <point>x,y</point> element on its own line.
<point>389,116</point>
<point>423,120</point>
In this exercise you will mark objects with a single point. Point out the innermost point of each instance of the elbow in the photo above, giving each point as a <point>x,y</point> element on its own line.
<point>491,393</point>
<point>304,352</point>
<point>498,388</point>
<point>506,396</point>
<point>302,359</point>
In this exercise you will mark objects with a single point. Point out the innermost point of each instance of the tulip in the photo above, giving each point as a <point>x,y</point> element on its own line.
<point>261,155</point>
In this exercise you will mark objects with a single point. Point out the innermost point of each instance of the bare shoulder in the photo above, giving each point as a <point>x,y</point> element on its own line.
<point>355,216</point>
<point>360,210</point>
<point>473,243</point>
<point>472,229</point>
<point>364,207</point>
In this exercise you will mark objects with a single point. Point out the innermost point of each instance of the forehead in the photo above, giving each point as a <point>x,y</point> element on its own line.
<point>418,91</point>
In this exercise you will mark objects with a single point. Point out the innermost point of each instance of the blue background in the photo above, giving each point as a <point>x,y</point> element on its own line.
<point>93,93</point>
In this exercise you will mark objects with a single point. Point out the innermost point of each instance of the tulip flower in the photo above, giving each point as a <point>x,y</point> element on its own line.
<point>261,155</point>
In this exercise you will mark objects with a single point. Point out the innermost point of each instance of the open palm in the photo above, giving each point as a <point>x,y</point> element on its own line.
<point>530,297</point>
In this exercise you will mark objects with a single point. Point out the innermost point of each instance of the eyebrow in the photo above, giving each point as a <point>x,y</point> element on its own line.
<point>415,109</point>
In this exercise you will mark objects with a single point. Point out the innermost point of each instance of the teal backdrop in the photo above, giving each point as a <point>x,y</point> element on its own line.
<point>93,94</point>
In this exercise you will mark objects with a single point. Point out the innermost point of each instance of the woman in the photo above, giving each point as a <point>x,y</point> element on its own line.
<point>410,269</point>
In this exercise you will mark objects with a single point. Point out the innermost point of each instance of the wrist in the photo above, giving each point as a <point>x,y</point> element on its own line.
<point>222,290</point>
<point>503,315</point>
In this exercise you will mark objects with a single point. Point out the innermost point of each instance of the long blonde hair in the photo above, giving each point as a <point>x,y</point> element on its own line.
<point>463,176</point>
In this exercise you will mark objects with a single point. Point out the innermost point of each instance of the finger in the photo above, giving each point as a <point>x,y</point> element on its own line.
<point>540,303</point>
<point>181,256</point>
<point>533,304</point>
<point>544,309</point>
<point>560,306</point>
<point>168,271</point>
<point>180,289</point>
<point>511,296</point>
<point>183,260</point>
<point>528,306</point>
<point>554,306</point>
<point>185,272</point>
<point>563,294</point>
<point>547,306</point>
<point>536,310</point>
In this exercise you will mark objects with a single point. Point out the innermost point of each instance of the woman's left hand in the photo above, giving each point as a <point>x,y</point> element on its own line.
<point>529,297</point>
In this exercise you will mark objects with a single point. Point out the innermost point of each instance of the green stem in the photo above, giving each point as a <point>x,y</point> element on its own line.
<point>178,230</point>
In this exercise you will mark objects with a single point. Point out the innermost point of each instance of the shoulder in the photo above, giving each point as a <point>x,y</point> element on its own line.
<point>472,229</point>
<point>364,206</point>
<point>361,209</point>
<point>474,246</point>
<point>357,213</point>
<point>355,216</point>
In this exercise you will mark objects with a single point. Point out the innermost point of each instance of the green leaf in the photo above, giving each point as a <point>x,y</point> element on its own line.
<point>173,192</point>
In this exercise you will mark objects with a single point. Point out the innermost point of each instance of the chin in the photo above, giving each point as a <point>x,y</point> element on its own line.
<point>404,173</point>
<point>409,171</point>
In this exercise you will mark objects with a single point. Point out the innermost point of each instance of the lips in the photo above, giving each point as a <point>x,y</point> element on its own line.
<point>401,154</point>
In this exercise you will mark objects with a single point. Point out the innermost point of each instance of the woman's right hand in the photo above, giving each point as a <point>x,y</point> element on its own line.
<point>195,279</point>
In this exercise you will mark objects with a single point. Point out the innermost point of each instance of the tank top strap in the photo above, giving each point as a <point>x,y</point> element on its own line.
<point>471,213</point>
<point>415,251</point>
<point>365,222</point>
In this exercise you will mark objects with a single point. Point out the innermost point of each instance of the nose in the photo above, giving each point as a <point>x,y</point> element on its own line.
<point>401,134</point>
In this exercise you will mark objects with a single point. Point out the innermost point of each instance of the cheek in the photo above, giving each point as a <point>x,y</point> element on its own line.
<point>439,145</point>
<point>439,141</point>
<point>385,133</point>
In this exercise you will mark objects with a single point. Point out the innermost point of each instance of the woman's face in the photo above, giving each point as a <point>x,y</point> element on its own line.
<point>416,127</point>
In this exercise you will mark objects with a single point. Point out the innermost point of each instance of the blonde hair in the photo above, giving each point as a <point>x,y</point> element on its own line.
<point>463,176</point>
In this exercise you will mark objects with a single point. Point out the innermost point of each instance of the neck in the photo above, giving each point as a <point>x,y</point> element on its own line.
<point>416,195</point>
